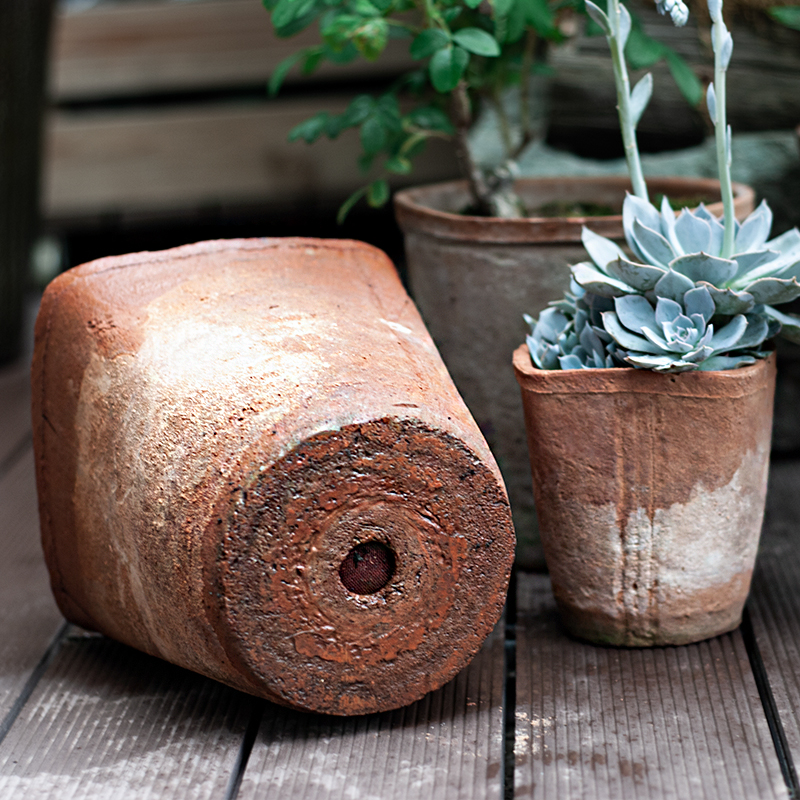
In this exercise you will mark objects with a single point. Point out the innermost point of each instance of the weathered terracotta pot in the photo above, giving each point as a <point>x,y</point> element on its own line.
<point>650,491</point>
<point>251,462</point>
<point>474,277</point>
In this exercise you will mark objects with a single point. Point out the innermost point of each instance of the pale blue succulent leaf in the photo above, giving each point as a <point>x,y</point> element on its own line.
<point>641,277</point>
<point>591,279</point>
<point>730,302</point>
<point>648,361</point>
<point>600,249</point>
<point>624,25</point>
<point>634,312</point>
<point>598,16</point>
<point>656,249</point>
<point>693,233</point>
<point>571,361</point>
<point>703,213</point>
<point>700,354</point>
<point>786,243</point>
<point>790,324</point>
<point>703,267</point>
<point>716,363</point>
<point>758,330</point>
<point>625,338</point>
<point>640,97</point>
<point>698,301</point>
<point>754,231</point>
<point>657,341</point>
<point>727,50</point>
<point>667,309</point>
<point>774,290</point>
<point>551,323</point>
<point>755,264</point>
<point>673,286</point>
<point>726,338</point>
<point>634,208</point>
<point>711,103</point>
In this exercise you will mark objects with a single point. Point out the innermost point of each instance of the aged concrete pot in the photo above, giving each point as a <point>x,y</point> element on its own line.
<point>251,462</point>
<point>474,277</point>
<point>650,491</point>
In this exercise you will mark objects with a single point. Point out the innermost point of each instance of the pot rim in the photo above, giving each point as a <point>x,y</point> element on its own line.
<point>414,213</point>
<point>629,380</point>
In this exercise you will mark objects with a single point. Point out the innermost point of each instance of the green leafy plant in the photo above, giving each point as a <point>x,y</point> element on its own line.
<point>699,292</point>
<point>467,51</point>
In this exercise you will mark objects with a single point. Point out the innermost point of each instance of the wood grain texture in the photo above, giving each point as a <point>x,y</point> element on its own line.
<point>29,618</point>
<point>775,598</point>
<point>448,745</point>
<point>146,46</point>
<point>106,721</point>
<point>15,410</point>
<point>190,156</point>
<point>673,722</point>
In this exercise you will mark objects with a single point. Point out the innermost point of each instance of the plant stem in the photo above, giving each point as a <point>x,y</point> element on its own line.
<point>462,119</point>
<point>721,136</point>
<point>624,101</point>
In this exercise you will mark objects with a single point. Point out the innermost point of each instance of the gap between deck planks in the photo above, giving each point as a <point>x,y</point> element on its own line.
<point>601,722</point>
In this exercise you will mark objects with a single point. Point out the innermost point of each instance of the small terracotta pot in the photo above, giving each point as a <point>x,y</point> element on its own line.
<point>474,277</point>
<point>251,462</point>
<point>650,490</point>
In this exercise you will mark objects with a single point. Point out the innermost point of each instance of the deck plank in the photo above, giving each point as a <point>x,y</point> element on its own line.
<point>29,618</point>
<point>601,722</point>
<point>448,745</point>
<point>106,721</point>
<point>15,409</point>
<point>775,598</point>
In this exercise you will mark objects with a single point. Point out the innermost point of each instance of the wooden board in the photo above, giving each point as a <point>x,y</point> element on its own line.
<point>145,46</point>
<point>204,155</point>
<point>108,722</point>
<point>775,599</point>
<point>15,413</point>
<point>673,722</point>
<point>29,619</point>
<point>448,745</point>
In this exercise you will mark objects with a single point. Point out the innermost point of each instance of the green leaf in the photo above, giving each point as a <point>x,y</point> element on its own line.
<point>642,51</point>
<point>370,39</point>
<point>540,17</point>
<point>477,41</point>
<point>399,165</point>
<point>373,135</point>
<point>790,17</point>
<point>428,42</point>
<point>287,11</point>
<point>312,60</point>
<point>450,15</point>
<point>269,4</point>
<point>297,25</point>
<point>430,118</point>
<point>358,110</point>
<point>446,68</point>
<point>348,204</point>
<point>311,129</point>
<point>472,3</point>
<point>378,193</point>
<point>502,8</point>
<point>365,162</point>
<point>685,78</point>
<point>389,112</point>
<point>282,70</point>
<point>365,8</point>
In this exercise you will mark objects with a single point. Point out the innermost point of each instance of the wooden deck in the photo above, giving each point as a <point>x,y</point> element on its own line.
<point>537,714</point>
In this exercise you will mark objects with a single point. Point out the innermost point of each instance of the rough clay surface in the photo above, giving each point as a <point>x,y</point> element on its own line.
<point>217,426</point>
<point>651,491</point>
<point>473,279</point>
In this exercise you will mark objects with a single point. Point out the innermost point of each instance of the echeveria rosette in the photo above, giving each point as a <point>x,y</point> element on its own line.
<point>678,335</point>
<point>760,274</point>
<point>569,334</point>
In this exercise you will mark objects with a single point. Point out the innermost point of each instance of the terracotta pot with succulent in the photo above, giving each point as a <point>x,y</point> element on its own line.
<point>648,401</point>
<point>476,259</point>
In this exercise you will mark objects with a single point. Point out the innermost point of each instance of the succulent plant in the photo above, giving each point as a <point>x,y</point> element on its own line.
<point>569,334</point>
<point>678,335</point>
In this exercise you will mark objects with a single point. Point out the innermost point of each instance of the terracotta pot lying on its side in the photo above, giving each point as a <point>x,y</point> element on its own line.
<point>251,462</point>
<point>650,490</point>
<point>474,277</point>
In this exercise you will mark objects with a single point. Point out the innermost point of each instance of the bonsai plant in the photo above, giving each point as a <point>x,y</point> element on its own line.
<point>472,275</point>
<point>648,398</point>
